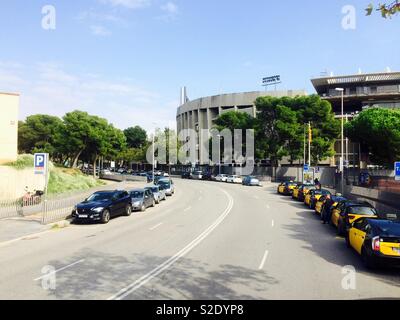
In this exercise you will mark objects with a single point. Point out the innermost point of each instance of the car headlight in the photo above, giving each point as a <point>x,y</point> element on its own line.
<point>97,210</point>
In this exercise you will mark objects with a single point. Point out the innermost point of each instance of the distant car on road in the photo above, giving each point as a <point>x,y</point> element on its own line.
<point>158,193</point>
<point>208,177</point>
<point>106,172</point>
<point>102,206</point>
<point>377,241</point>
<point>251,181</point>
<point>313,197</point>
<point>234,179</point>
<point>186,175</point>
<point>221,178</point>
<point>142,199</point>
<point>197,175</point>
<point>300,191</point>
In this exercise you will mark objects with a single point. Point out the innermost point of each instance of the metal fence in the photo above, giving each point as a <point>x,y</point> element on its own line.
<point>52,208</point>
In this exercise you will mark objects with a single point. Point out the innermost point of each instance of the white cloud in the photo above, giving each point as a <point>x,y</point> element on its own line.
<point>130,4</point>
<point>48,88</point>
<point>100,31</point>
<point>170,7</point>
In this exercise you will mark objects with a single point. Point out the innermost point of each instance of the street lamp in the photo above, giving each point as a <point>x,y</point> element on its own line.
<point>219,153</point>
<point>342,140</point>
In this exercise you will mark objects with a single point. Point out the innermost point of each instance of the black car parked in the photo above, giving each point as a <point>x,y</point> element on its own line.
<point>102,206</point>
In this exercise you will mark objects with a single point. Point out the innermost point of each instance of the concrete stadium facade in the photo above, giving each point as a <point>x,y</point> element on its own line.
<point>201,113</point>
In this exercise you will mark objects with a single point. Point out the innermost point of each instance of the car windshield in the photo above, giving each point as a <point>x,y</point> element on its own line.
<point>154,190</point>
<point>137,194</point>
<point>100,197</point>
<point>359,210</point>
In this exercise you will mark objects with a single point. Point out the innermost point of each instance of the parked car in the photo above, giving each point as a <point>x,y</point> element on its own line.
<point>142,199</point>
<point>234,179</point>
<point>251,181</point>
<point>221,178</point>
<point>321,203</point>
<point>197,175</point>
<point>313,196</point>
<point>346,212</point>
<point>300,191</point>
<point>158,193</point>
<point>377,241</point>
<point>106,172</point>
<point>102,206</point>
<point>167,185</point>
<point>186,175</point>
<point>286,188</point>
<point>208,177</point>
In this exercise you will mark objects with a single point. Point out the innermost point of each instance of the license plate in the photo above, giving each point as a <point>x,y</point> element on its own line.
<point>83,216</point>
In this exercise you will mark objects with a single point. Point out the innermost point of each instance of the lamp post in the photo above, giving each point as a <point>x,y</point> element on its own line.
<point>342,141</point>
<point>219,154</point>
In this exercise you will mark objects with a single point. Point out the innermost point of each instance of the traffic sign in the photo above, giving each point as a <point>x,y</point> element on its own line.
<point>41,163</point>
<point>397,171</point>
<point>306,168</point>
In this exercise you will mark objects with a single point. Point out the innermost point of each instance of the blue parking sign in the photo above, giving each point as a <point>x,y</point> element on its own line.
<point>397,171</point>
<point>40,163</point>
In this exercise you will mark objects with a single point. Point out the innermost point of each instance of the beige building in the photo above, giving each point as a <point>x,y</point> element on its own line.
<point>9,108</point>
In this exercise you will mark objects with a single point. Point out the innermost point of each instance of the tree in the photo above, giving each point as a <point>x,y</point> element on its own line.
<point>136,137</point>
<point>280,127</point>
<point>387,10</point>
<point>378,130</point>
<point>38,134</point>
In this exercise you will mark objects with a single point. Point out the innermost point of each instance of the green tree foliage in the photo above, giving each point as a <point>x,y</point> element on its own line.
<point>136,137</point>
<point>38,134</point>
<point>379,130</point>
<point>387,10</point>
<point>281,122</point>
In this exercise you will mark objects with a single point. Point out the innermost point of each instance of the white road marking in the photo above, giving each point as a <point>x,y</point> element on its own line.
<point>171,261</point>
<point>27,237</point>
<point>61,269</point>
<point>264,259</point>
<point>155,227</point>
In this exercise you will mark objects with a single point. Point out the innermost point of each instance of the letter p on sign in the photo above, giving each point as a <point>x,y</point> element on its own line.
<point>40,162</point>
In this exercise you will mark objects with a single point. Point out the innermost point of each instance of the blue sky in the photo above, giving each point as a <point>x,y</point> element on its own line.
<point>126,59</point>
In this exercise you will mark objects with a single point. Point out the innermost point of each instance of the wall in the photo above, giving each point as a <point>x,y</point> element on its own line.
<point>9,107</point>
<point>13,182</point>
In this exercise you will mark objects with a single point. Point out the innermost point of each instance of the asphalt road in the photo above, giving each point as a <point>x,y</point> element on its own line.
<point>210,241</point>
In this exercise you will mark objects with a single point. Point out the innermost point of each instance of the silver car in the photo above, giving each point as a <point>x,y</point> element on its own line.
<point>158,193</point>
<point>167,185</point>
<point>142,199</point>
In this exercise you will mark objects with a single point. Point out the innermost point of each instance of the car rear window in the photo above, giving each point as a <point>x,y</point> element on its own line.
<point>137,194</point>
<point>365,211</point>
<point>100,196</point>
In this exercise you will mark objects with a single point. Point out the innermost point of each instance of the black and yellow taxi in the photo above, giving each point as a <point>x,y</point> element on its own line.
<point>376,240</point>
<point>300,190</point>
<point>286,188</point>
<point>319,206</point>
<point>313,196</point>
<point>348,211</point>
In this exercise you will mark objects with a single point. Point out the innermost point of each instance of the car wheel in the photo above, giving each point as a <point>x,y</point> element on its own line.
<point>153,204</point>
<point>105,218</point>
<point>368,260</point>
<point>143,208</point>
<point>128,210</point>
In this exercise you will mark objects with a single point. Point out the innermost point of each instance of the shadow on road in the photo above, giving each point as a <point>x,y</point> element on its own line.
<point>322,240</point>
<point>103,275</point>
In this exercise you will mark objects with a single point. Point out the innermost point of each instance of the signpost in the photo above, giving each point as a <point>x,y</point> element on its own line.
<point>41,167</point>
<point>397,171</point>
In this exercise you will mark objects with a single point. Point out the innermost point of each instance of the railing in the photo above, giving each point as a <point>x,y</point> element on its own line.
<point>52,208</point>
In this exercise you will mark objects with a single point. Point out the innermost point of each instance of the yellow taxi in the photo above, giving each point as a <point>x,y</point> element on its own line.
<point>313,196</point>
<point>319,206</point>
<point>377,241</point>
<point>286,188</point>
<point>346,212</point>
<point>300,190</point>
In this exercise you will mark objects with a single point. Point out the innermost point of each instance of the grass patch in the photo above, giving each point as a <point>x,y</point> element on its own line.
<point>24,161</point>
<point>63,180</point>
